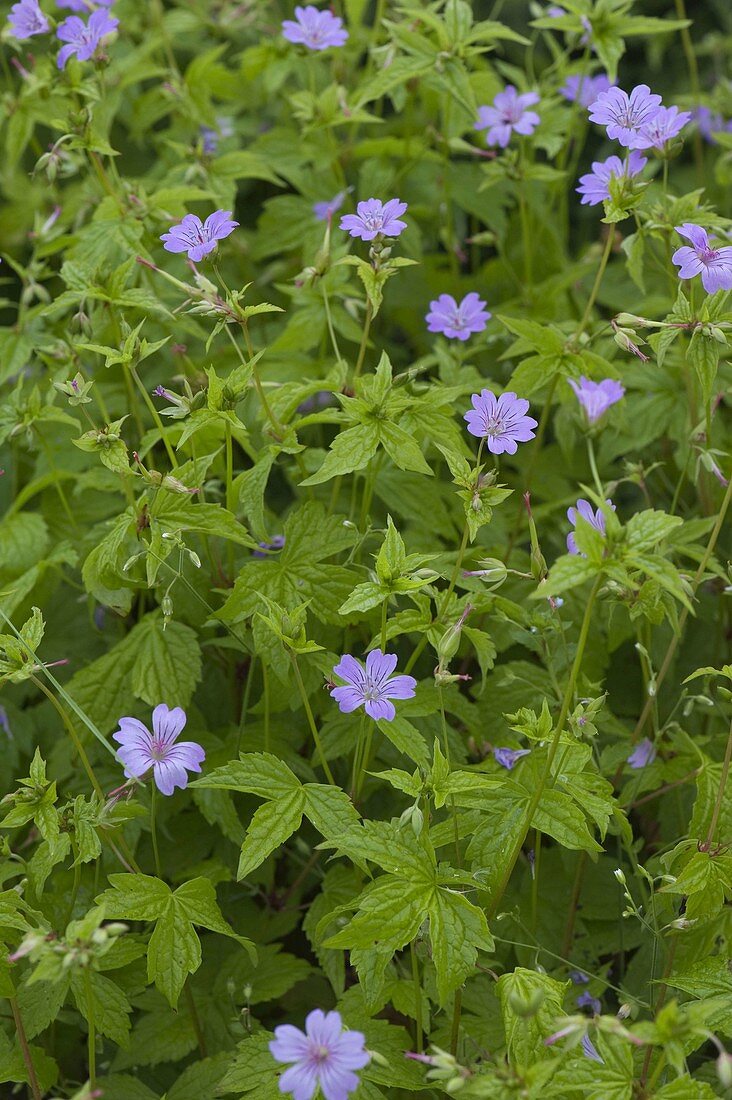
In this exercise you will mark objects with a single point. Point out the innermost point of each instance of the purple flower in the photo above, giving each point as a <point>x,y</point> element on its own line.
<point>198,238</point>
<point>713,264</point>
<point>508,114</point>
<point>577,977</point>
<point>373,686</point>
<point>501,421</point>
<point>589,1050</point>
<point>508,758</point>
<point>324,1054</point>
<point>266,548</point>
<point>595,519</point>
<point>315,29</point>
<point>457,322</point>
<point>27,19</point>
<point>667,123</point>
<point>597,397</point>
<point>211,135</point>
<point>555,12</point>
<point>141,750</point>
<point>710,123</point>
<point>626,116</point>
<point>82,38</point>
<point>586,1000</point>
<point>84,5</point>
<point>595,185</point>
<point>643,754</point>
<point>325,210</point>
<point>375,218</point>
<point>584,90</point>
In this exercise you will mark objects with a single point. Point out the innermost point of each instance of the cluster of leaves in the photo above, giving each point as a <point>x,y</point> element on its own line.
<point>219,478</point>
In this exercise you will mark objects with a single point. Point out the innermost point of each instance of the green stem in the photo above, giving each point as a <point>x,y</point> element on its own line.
<point>92,1043</point>
<point>329,321</point>
<point>690,55</point>
<point>155,415</point>
<point>535,881</point>
<point>265,692</point>
<point>229,467</point>
<point>358,756</point>
<point>384,613</point>
<point>558,729</point>
<point>457,1007</point>
<point>73,735</point>
<point>526,238</point>
<point>596,285</point>
<point>593,468</point>
<point>25,1049</point>
<point>419,1026</point>
<point>195,1019</point>
<point>364,341</point>
<point>720,792</point>
<point>676,637</point>
<point>311,720</point>
<point>245,704</point>
<point>154,828</point>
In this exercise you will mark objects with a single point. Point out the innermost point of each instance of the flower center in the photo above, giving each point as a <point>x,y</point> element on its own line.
<point>374,221</point>
<point>158,749</point>
<point>494,426</point>
<point>320,1054</point>
<point>707,255</point>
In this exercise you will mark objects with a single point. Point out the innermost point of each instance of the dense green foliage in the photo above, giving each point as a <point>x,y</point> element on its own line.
<point>220,477</point>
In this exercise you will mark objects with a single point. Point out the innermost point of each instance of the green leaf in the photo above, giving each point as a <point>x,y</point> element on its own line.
<point>531,1005</point>
<point>458,930</point>
<point>168,663</point>
<point>350,450</point>
<point>99,998</point>
<point>271,825</point>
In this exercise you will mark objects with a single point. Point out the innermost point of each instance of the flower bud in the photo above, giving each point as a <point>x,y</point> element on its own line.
<point>620,876</point>
<point>724,1069</point>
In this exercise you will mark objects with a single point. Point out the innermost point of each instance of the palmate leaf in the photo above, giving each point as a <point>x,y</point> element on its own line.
<point>174,949</point>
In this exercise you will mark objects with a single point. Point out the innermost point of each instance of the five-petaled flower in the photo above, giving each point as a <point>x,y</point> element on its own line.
<point>27,19</point>
<point>372,687</point>
<point>315,29</point>
<point>457,322</point>
<point>667,123</point>
<point>508,114</point>
<point>584,89</point>
<point>324,1054</point>
<point>83,39</point>
<point>595,519</point>
<point>84,5</point>
<point>710,123</point>
<point>374,218</point>
<point>508,758</point>
<point>160,750</point>
<point>597,397</point>
<point>700,258</point>
<point>501,421</point>
<point>588,1000</point>
<point>268,547</point>
<point>626,116</point>
<point>595,185</point>
<point>198,238</point>
<point>643,754</point>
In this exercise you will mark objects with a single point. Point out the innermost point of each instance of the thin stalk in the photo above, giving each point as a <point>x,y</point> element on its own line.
<point>573,903</point>
<point>457,1006</point>
<point>154,828</point>
<point>596,285</point>
<point>593,467</point>
<point>526,238</point>
<point>265,692</point>
<point>73,735</point>
<point>311,719</point>
<point>92,1038</point>
<point>276,426</point>
<point>195,1019</point>
<point>364,341</point>
<point>456,571</point>
<point>690,55</point>
<point>245,703</point>
<point>540,786</point>
<point>229,468</point>
<point>25,1049</point>
<point>329,321</point>
<point>155,415</point>
<point>384,613</point>
<point>673,644</point>
<point>535,880</point>
<point>418,1025</point>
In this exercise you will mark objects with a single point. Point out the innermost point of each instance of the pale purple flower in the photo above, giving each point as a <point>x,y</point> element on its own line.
<point>713,264</point>
<point>266,548</point>
<point>596,519</point>
<point>323,1055</point>
<point>457,322</point>
<point>198,238</point>
<point>586,1000</point>
<point>315,29</point>
<point>160,750</point>
<point>626,116</point>
<point>325,210</point>
<point>374,218</point>
<point>584,90</point>
<point>643,754</point>
<point>555,12</point>
<point>508,114</point>
<point>597,397</point>
<point>4,723</point>
<point>501,421</point>
<point>27,19</point>
<point>667,123</point>
<point>577,977</point>
<point>710,123</point>
<point>595,185</point>
<point>372,687</point>
<point>590,1051</point>
<point>84,5</point>
<point>508,758</point>
<point>83,39</point>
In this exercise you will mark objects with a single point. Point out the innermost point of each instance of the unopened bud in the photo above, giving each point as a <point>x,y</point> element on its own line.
<point>620,876</point>
<point>724,1069</point>
<point>527,1007</point>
